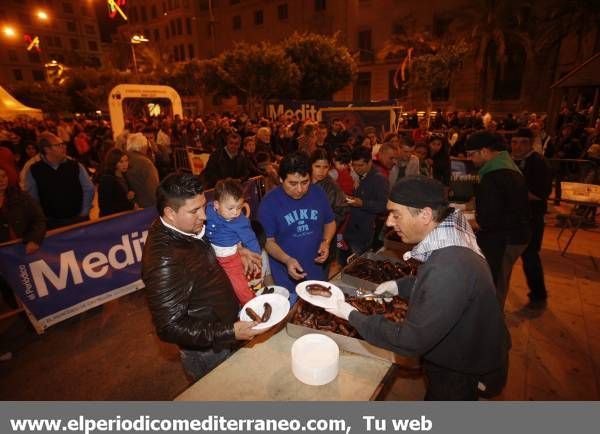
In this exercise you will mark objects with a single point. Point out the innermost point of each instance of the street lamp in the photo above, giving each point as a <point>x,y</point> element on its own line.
<point>9,31</point>
<point>42,15</point>
<point>136,39</point>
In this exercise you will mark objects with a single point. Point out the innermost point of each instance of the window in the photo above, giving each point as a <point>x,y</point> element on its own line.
<point>58,57</point>
<point>18,74</point>
<point>89,29</point>
<point>188,25</point>
<point>12,56</point>
<point>57,42</point>
<point>71,27</point>
<point>320,5</point>
<point>282,11</point>
<point>401,92</point>
<point>49,40</point>
<point>186,3</point>
<point>74,44</point>
<point>173,29</point>
<point>365,48</point>
<point>167,32</point>
<point>94,61</point>
<point>38,75</point>
<point>398,29</point>
<point>143,13</point>
<point>153,11</point>
<point>237,22</point>
<point>67,8</point>
<point>93,45</point>
<point>179,26</point>
<point>509,79</point>
<point>234,2</point>
<point>156,34</point>
<point>175,53</point>
<point>362,88</point>
<point>440,26</point>
<point>440,93</point>
<point>85,11</point>
<point>34,56</point>
<point>258,17</point>
<point>182,52</point>
<point>191,51</point>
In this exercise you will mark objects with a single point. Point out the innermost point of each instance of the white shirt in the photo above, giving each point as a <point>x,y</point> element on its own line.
<point>197,236</point>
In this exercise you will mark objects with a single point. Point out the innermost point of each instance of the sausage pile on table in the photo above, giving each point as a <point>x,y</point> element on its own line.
<point>314,317</point>
<point>379,271</point>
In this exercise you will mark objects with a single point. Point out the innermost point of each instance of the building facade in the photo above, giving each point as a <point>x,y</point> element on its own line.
<point>67,32</point>
<point>184,29</point>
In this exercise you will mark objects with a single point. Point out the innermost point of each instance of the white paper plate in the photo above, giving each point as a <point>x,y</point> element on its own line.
<point>280,305</point>
<point>317,300</point>
<point>315,359</point>
<point>278,290</point>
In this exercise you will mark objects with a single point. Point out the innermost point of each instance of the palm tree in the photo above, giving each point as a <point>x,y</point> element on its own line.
<point>579,17</point>
<point>430,61</point>
<point>493,26</point>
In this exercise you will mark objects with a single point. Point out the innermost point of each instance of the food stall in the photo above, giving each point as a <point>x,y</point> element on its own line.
<point>262,369</point>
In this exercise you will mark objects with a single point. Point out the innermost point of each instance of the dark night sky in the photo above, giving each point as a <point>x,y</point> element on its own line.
<point>108,26</point>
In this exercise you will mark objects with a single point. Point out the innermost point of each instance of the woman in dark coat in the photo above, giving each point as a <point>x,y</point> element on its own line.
<point>439,158</point>
<point>114,194</point>
<point>20,217</point>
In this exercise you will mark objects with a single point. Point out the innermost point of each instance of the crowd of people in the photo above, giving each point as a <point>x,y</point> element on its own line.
<point>329,194</point>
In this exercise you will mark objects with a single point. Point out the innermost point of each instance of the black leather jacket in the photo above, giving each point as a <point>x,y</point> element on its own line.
<point>190,297</point>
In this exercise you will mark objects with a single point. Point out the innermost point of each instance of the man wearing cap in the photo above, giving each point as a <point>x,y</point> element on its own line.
<point>60,184</point>
<point>539,184</point>
<point>501,206</point>
<point>453,320</point>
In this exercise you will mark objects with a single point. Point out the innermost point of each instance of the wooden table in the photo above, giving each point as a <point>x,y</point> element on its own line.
<point>262,371</point>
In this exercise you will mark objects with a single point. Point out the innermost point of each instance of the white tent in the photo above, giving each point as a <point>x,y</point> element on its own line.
<point>11,109</point>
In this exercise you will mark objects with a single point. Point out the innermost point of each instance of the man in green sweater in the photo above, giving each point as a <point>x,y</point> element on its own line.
<point>453,320</point>
<point>501,206</point>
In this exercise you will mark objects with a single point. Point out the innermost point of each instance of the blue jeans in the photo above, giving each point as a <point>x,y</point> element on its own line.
<point>198,363</point>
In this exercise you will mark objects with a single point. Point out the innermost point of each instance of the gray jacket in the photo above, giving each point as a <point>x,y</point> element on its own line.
<point>453,318</point>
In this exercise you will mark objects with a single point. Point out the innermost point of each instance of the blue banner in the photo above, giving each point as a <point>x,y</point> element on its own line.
<point>79,268</point>
<point>83,267</point>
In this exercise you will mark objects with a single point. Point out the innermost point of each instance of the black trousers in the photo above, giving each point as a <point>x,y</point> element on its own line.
<point>447,385</point>
<point>444,384</point>
<point>532,263</point>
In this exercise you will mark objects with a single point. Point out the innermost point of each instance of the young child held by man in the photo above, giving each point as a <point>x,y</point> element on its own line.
<point>226,227</point>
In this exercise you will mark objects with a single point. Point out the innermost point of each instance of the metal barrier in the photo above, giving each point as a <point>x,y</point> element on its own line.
<point>190,158</point>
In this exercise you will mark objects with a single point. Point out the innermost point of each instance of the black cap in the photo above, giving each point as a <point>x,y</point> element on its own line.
<point>485,139</point>
<point>419,192</point>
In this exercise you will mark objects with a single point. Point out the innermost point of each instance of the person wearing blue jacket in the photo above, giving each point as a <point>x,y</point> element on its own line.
<point>226,228</point>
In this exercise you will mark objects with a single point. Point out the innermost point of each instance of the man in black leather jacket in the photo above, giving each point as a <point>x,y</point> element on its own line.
<point>190,297</point>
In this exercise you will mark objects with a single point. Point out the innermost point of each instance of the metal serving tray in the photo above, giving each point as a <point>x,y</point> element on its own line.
<point>361,283</point>
<point>347,343</point>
